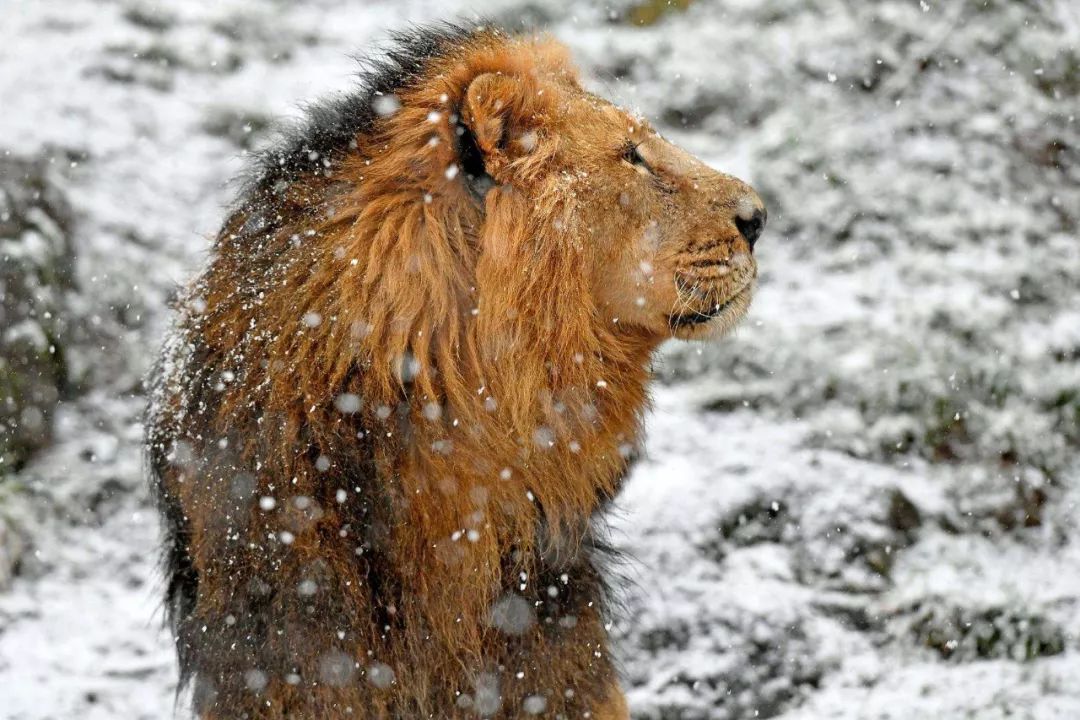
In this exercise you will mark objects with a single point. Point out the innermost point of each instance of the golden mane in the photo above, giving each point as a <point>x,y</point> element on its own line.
<point>382,273</point>
<point>400,392</point>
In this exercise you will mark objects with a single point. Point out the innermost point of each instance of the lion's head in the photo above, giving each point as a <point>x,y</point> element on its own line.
<point>664,242</point>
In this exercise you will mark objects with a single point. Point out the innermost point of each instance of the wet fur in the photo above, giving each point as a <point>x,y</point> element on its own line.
<point>500,404</point>
<point>253,644</point>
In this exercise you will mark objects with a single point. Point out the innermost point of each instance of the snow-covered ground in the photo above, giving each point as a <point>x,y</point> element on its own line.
<point>863,505</point>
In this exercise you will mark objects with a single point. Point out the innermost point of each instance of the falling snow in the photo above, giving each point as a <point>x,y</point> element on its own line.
<point>862,505</point>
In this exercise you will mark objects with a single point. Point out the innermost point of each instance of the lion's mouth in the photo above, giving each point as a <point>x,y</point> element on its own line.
<point>699,317</point>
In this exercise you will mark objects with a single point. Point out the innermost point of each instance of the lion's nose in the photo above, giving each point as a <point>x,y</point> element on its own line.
<point>751,226</point>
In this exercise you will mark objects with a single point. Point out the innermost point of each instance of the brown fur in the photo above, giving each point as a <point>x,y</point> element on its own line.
<point>438,541</point>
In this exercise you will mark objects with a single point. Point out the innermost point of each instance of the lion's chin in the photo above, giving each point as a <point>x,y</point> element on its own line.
<point>715,322</point>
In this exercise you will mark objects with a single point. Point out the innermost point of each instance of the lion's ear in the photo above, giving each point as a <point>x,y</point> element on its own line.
<point>496,113</point>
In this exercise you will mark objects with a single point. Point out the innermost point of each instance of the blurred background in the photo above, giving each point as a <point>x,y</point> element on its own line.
<point>862,505</point>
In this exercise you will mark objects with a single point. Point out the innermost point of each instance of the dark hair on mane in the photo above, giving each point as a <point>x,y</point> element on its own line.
<point>331,124</point>
<point>324,134</point>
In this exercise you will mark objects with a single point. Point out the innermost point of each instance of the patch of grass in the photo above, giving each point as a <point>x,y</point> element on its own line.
<point>152,19</point>
<point>964,635</point>
<point>651,12</point>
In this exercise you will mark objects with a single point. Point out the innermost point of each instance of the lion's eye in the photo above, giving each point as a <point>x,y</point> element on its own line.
<point>632,156</point>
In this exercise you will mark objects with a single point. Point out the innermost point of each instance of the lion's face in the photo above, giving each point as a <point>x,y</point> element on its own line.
<point>672,240</point>
<point>665,243</point>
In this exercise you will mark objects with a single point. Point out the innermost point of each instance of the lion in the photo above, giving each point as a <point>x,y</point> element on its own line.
<point>411,378</point>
